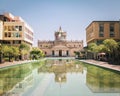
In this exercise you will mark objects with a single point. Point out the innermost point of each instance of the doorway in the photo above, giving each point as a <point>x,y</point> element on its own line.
<point>60,53</point>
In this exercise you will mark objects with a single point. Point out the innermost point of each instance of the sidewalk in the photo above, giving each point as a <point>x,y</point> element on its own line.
<point>102,64</point>
<point>6,64</point>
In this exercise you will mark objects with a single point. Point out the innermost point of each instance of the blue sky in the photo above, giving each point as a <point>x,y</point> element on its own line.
<point>46,16</point>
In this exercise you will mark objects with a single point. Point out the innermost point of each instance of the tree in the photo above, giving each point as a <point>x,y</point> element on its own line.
<point>111,47</point>
<point>110,44</point>
<point>102,48</point>
<point>16,52</point>
<point>24,51</point>
<point>118,54</point>
<point>7,50</point>
<point>93,48</point>
<point>36,53</point>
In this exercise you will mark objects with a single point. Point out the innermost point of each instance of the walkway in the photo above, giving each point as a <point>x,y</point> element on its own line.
<point>6,64</point>
<point>102,64</point>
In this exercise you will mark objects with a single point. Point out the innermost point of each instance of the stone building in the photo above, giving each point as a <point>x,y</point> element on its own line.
<point>60,46</point>
<point>97,31</point>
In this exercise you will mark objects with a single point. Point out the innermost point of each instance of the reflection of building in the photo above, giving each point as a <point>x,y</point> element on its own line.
<point>15,79</point>
<point>60,67</point>
<point>20,87</point>
<point>102,81</point>
<point>98,31</point>
<point>14,30</point>
<point>60,46</point>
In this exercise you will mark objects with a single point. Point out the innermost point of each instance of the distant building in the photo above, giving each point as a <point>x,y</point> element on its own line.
<point>60,46</point>
<point>98,31</point>
<point>14,30</point>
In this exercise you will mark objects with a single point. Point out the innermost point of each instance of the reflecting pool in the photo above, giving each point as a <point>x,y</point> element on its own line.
<point>59,77</point>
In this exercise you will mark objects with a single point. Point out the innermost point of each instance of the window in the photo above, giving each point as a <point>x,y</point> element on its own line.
<point>20,28</point>
<point>101,27</point>
<point>5,28</point>
<point>9,28</point>
<point>13,29</point>
<point>99,42</point>
<point>16,34</point>
<point>101,30</point>
<point>112,33</point>
<point>16,28</point>
<point>17,42</point>
<point>5,34</point>
<point>9,34</point>
<point>45,53</point>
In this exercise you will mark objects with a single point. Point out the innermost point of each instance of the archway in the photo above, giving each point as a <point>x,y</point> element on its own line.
<point>60,53</point>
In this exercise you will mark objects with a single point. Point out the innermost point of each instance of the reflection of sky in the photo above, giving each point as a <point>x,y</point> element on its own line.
<point>75,86</point>
<point>44,83</point>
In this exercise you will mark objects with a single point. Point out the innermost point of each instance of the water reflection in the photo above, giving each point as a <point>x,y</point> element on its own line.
<point>101,80</point>
<point>22,80</point>
<point>60,68</point>
<point>14,80</point>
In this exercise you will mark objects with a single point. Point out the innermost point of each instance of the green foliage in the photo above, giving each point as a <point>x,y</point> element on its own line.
<point>36,53</point>
<point>102,48</point>
<point>24,46</point>
<point>10,51</point>
<point>15,50</point>
<point>110,44</point>
<point>24,50</point>
<point>93,47</point>
<point>110,47</point>
<point>77,53</point>
<point>7,49</point>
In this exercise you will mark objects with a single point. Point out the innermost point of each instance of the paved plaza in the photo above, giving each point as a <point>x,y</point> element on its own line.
<point>102,64</point>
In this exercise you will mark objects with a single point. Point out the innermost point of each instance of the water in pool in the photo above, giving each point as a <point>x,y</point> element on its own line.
<point>59,77</point>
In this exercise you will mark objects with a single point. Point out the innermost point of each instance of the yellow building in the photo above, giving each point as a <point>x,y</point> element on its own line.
<point>97,31</point>
<point>14,30</point>
<point>60,46</point>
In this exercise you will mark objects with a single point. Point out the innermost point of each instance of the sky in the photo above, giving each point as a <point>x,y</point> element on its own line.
<point>46,16</point>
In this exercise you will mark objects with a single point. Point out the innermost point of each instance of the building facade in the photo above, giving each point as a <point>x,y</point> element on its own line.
<point>60,46</point>
<point>14,30</point>
<point>98,31</point>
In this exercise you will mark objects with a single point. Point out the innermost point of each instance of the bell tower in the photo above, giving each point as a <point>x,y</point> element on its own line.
<point>60,35</point>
